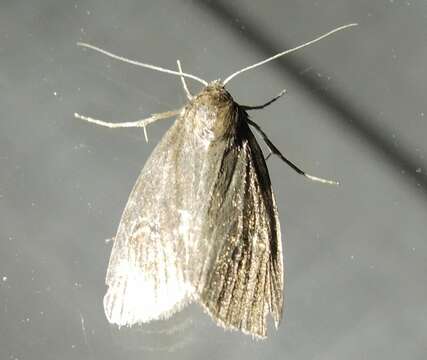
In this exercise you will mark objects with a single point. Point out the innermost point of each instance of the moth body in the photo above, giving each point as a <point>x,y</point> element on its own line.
<point>200,225</point>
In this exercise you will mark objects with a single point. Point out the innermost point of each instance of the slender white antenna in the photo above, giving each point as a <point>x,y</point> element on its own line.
<point>134,62</point>
<point>287,52</point>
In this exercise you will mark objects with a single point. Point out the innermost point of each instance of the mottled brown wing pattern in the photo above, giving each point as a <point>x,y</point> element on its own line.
<point>245,281</point>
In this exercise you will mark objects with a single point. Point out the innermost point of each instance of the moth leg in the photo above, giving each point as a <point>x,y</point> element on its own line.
<point>184,84</point>
<point>139,123</point>
<point>278,96</point>
<point>276,151</point>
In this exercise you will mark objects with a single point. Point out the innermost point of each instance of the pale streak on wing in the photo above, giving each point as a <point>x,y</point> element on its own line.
<point>159,257</point>
<point>146,274</point>
<point>245,280</point>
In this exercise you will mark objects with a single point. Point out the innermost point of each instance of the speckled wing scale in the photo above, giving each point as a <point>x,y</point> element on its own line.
<point>200,225</point>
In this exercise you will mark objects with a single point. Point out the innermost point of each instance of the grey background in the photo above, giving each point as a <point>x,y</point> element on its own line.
<point>355,111</point>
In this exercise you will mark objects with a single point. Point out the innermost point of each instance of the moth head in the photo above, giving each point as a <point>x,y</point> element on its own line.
<point>214,97</point>
<point>212,112</point>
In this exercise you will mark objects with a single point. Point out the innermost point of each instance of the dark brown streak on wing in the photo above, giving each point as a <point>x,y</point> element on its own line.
<point>276,251</point>
<point>245,278</point>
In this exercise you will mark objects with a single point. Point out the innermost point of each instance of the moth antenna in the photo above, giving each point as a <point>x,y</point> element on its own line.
<point>137,63</point>
<point>184,84</point>
<point>287,51</point>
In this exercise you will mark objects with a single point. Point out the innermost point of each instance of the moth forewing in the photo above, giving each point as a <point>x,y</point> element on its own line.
<point>146,275</point>
<point>245,281</point>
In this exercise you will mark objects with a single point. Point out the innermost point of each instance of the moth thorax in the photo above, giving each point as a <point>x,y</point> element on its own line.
<point>213,114</point>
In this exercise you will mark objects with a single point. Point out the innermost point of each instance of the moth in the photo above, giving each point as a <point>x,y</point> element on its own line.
<point>201,223</point>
